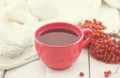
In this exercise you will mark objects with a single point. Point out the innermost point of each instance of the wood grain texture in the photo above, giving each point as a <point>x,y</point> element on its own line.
<point>33,70</point>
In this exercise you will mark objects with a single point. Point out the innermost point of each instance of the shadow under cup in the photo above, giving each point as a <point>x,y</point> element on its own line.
<point>60,57</point>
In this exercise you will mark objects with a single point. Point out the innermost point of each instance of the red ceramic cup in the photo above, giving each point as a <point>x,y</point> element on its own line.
<point>61,57</point>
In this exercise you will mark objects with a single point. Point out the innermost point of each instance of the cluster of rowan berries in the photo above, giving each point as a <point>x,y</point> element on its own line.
<point>103,46</point>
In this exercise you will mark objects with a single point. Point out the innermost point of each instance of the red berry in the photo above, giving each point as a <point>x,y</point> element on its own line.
<point>107,73</point>
<point>81,74</point>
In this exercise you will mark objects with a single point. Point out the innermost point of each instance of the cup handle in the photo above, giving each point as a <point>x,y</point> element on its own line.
<point>89,38</point>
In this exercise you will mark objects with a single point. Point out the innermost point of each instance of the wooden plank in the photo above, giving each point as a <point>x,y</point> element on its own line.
<point>1,74</point>
<point>110,18</point>
<point>98,68</point>
<point>33,70</point>
<point>81,65</point>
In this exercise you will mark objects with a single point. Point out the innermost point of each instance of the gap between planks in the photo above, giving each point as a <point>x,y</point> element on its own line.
<point>4,73</point>
<point>119,13</point>
<point>89,65</point>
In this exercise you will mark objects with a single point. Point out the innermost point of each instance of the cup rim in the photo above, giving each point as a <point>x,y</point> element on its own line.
<point>69,24</point>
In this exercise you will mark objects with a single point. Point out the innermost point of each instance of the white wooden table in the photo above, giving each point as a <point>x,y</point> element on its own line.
<point>85,63</point>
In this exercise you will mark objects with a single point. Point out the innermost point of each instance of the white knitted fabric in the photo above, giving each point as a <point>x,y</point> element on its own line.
<point>20,18</point>
<point>113,3</point>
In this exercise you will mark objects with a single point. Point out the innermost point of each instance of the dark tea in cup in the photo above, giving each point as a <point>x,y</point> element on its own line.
<point>58,37</point>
